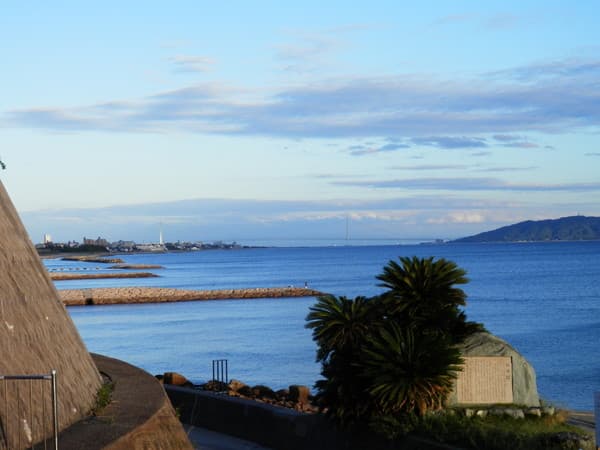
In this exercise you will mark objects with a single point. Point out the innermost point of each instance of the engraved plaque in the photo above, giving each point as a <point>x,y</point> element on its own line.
<point>485,380</point>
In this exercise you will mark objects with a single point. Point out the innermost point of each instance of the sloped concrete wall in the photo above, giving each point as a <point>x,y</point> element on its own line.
<point>36,336</point>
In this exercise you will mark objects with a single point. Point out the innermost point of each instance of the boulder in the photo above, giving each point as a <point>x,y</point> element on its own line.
<point>299,394</point>
<point>533,412</point>
<point>236,385</point>
<point>263,392</point>
<point>174,378</point>
<point>548,410</point>
<point>523,375</point>
<point>215,385</point>
<point>282,394</point>
<point>246,391</point>
<point>515,413</point>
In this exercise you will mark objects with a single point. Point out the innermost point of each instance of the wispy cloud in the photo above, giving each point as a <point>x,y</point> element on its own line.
<point>565,69</point>
<point>481,154</point>
<point>476,168</point>
<point>426,167</point>
<point>507,140</point>
<point>470,184</point>
<point>307,52</point>
<point>423,111</point>
<point>370,149</point>
<point>498,21</point>
<point>187,63</point>
<point>592,154</point>
<point>451,141</point>
<point>507,169</point>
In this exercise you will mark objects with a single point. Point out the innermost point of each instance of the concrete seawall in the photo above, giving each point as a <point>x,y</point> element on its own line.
<point>275,427</point>
<point>139,416</point>
<point>113,296</point>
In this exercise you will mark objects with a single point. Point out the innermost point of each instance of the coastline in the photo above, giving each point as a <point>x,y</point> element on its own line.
<point>133,295</point>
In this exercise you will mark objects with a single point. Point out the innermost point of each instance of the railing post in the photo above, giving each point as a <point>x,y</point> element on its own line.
<point>55,409</point>
<point>220,369</point>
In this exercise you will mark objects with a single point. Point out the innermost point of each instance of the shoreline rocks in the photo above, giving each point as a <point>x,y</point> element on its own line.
<point>295,397</point>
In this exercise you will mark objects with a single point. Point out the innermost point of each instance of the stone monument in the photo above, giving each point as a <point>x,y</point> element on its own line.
<point>494,373</point>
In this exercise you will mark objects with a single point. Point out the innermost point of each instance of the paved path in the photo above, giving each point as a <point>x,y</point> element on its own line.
<point>583,419</point>
<point>204,439</point>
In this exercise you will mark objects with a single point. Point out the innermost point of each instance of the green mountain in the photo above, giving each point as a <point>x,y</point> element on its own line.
<point>573,228</point>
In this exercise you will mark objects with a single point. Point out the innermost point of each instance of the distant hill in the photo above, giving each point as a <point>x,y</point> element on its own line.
<point>573,228</point>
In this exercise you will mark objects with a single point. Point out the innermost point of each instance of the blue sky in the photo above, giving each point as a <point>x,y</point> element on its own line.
<point>251,120</point>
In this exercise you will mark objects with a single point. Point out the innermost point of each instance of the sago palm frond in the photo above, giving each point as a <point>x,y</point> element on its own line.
<point>409,372</point>
<point>338,323</point>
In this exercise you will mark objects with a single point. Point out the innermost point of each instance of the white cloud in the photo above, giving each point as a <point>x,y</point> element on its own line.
<point>428,110</point>
<point>415,216</point>
<point>188,63</point>
<point>459,217</point>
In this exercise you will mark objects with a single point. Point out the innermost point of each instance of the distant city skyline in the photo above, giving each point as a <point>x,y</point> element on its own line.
<point>266,120</point>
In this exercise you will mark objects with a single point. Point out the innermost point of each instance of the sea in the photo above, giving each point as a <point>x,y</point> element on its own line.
<point>543,298</point>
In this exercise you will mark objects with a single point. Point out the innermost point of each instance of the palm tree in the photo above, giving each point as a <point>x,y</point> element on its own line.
<point>422,280</point>
<point>396,354</point>
<point>339,324</point>
<point>408,372</point>
<point>422,293</point>
<point>340,328</point>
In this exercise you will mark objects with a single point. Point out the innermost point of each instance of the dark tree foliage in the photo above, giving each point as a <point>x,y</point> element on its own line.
<point>395,354</point>
<point>422,294</point>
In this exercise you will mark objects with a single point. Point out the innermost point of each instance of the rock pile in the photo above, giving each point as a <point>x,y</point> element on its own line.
<point>295,397</point>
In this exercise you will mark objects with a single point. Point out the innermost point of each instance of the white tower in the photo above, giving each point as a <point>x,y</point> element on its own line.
<point>160,236</point>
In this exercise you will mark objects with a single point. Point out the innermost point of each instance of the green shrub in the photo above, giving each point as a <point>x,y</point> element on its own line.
<point>103,397</point>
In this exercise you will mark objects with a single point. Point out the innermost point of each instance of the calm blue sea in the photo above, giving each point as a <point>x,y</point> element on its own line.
<point>543,298</point>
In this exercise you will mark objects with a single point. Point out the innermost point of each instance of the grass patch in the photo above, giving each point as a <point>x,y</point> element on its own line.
<point>498,433</point>
<point>103,397</point>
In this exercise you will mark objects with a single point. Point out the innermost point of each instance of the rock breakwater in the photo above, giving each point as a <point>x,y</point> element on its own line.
<point>96,276</point>
<point>113,296</point>
<point>96,259</point>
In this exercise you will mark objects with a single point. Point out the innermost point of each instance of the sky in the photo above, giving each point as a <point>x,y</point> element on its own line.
<point>268,120</point>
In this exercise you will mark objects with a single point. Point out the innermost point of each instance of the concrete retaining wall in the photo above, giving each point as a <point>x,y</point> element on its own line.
<point>274,427</point>
<point>139,417</point>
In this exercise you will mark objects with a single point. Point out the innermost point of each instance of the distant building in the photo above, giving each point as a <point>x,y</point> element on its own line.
<point>150,248</point>
<point>47,239</point>
<point>99,242</point>
<point>123,246</point>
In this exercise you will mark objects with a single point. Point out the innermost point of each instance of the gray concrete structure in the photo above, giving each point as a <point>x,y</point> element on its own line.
<point>36,337</point>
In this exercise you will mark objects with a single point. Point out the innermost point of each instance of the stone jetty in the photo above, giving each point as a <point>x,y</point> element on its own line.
<point>125,295</point>
<point>56,276</point>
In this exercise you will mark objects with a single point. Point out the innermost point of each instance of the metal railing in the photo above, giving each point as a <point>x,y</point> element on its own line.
<point>26,409</point>
<point>220,373</point>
